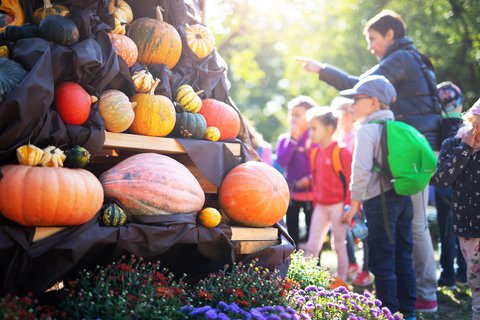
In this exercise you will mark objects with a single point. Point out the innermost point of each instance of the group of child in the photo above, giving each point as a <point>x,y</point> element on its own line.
<point>331,194</point>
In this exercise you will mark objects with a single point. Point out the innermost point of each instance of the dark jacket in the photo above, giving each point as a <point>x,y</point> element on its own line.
<point>414,103</point>
<point>459,167</point>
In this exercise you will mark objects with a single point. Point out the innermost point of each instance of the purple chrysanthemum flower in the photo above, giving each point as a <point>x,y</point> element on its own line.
<point>222,316</point>
<point>290,310</point>
<point>211,314</point>
<point>311,288</point>
<point>222,305</point>
<point>367,294</point>
<point>280,308</point>
<point>377,302</point>
<point>186,309</point>
<point>200,310</point>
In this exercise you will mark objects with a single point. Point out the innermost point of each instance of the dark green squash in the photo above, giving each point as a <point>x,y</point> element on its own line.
<point>190,125</point>
<point>77,157</point>
<point>14,33</point>
<point>11,74</point>
<point>59,30</point>
<point>112,215</point>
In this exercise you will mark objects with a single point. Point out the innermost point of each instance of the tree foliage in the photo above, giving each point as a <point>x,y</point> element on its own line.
<point>259,38</point>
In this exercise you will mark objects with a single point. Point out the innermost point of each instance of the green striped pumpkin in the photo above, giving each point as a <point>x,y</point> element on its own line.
<point>157,41</point>
<point>112,216</point>
<point>188,98</point>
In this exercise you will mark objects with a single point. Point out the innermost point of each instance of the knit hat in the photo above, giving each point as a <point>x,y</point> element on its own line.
<point>450,96</point>
<point>475,109</point>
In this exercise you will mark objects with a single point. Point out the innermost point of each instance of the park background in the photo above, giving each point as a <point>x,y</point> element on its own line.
<point>260,38</point>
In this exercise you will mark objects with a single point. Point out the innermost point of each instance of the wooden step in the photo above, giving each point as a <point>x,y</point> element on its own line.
<point>245,233</point>
<point>249,247</point>
<point>139,143</point>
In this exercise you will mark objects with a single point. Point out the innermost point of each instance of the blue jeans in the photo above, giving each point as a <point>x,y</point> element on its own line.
<point>450,248</point>
<point>392,264</point>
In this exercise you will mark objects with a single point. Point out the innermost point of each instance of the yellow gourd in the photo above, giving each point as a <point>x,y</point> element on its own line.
<point>209,217</point>
<point>4,51</point>
<point>142,81</point>
<point>200,39</point>
<point>53,157</point>
<point>29,155</point>
<point>212,134</point>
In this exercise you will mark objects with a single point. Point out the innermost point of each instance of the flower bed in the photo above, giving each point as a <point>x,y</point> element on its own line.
<point>136,289</point>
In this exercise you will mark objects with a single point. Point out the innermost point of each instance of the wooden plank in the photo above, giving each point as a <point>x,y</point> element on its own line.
<point>139,143</point>
<point>249,247</point>
<point>45,232</point>
<point>244,233</point>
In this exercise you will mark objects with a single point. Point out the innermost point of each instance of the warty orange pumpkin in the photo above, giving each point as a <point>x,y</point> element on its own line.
<point>125,48</point>
<point>153,184</point>
<point>154,114</point>
<point>254,194</point>
<point>157,41</point>
<point>222,116</point>
<point>40,196</point>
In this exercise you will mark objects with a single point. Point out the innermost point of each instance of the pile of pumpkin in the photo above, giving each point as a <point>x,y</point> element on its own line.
<point>41,192</point>
<point>149,41</point>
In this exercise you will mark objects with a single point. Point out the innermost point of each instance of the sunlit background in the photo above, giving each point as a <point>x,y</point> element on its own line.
<point>259,38</point>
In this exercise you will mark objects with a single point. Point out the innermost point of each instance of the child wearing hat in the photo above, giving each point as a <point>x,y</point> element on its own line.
<point>459,166</point>
<point>451,101</point>
<point>391,263</point>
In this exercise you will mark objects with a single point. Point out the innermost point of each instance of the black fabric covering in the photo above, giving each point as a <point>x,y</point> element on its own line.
<point>28,115</point>
<point>176,240</point>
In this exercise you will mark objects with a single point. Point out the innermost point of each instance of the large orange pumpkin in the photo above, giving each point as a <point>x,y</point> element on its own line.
<point>157,41</point>
<point>153,184</point>
<point>154,114</point>
<point>125,48</point>
<point>49,196</point>
<point>222,116</point>
<point>254,194</point>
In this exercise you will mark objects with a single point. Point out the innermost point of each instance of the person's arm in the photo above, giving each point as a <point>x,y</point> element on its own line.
<point>453,159</point>
<point>331,75</point>
<point>395,67</point>
<point>285,150</point>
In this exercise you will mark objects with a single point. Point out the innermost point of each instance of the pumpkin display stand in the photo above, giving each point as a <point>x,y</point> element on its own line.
<point>35,258</point>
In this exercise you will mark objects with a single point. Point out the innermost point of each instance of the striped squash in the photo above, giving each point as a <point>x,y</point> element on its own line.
<point>157,41</point>
<point>112,216</point>
<point>153,184</point>
<point>200,39</point>
<point>188,98</point>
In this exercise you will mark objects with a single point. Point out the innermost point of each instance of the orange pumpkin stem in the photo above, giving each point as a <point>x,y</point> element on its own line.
<point>199,92</point>
<point>154,86</point>
<point>158,13</point>
<point>94,99</point>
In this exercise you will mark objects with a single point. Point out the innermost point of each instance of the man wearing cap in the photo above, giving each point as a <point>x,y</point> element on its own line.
<point>391,263</point>
<point>401,64</point>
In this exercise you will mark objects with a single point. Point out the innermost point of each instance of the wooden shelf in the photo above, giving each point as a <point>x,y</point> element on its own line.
<point>254,237</point>
<point>139,143</point>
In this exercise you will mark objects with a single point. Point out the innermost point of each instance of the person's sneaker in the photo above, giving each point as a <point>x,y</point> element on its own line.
<point>353,270</point>
<point>426,306</point>
<point>446,283</point>
<point>363,279</point>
